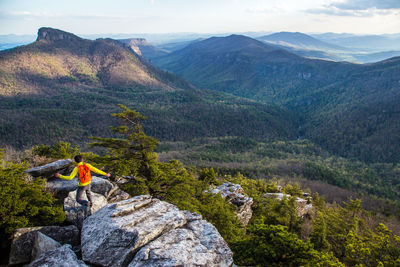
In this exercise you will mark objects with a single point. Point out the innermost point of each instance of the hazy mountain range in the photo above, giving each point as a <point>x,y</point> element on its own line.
<point>341,106</point>
<point>63,87</point>
<point>330,46</point>
<point>233,88</point>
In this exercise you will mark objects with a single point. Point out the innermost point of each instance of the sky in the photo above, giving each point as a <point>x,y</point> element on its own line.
<point>200,16</point>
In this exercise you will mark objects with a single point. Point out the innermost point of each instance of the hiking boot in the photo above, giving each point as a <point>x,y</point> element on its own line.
<point>88,210</point>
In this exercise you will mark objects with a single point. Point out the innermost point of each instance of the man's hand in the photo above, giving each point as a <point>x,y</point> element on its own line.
<point>108,175</point>
<point>57,175</point>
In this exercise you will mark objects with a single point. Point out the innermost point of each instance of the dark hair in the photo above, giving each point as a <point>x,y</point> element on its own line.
<point>78,158</point>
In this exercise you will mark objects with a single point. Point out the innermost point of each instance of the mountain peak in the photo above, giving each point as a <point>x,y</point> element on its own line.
<point>51,34</point>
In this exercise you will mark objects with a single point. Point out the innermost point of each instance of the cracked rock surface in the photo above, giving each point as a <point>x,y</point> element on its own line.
<point>143,231</point>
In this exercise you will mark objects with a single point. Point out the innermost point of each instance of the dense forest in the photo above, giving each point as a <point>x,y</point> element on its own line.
<point>332,235</point>
<point>349,109</point>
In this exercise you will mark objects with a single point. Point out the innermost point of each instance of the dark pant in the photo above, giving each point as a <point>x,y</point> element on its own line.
<point>80,195</point>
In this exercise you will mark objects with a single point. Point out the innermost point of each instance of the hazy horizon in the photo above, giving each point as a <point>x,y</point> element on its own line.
<point>24,17</point>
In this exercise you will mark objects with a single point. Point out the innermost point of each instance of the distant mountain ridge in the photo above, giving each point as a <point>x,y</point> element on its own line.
<point>299,40</point>
<point>63,87</point>
<point>72,62</point>
<point>341,50</point>
<point>373,43</point>
<point>335,101</point>
<point>250,68</point>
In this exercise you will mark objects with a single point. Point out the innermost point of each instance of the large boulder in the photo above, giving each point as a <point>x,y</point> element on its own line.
<point>189,246</point>
<point>234,193</point>
<point>42,244</point>
<point>143,231</point>
<point>303,206</point>
<point>61,187</point>
<point>103,186</point>
<point>50,169</point>
<point>75,213</point>
<point>60,257</point>
<point>23,240</point>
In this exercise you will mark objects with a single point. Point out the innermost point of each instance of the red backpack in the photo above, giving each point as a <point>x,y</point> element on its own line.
<point>84,174</point>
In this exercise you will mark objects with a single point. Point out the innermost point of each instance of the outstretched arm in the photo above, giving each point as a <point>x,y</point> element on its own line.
<point>93,169</point>
<point>70,177</point>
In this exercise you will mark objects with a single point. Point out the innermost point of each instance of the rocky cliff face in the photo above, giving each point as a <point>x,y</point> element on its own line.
<point>51,34</point>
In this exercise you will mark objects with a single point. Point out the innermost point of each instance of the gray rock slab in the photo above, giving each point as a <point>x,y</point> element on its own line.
<point>112,235</point>
<point>198,245</point>
<point>60,257</point>
<point>42,244</point>
<point>49,169</point>
<point>23,240</point>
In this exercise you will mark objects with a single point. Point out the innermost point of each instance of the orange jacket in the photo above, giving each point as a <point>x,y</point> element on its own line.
<point>75,172</point>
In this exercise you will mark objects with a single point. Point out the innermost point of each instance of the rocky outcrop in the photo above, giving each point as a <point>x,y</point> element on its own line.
<point>42,244</point>
<point>234,193</point>
<point>51,34</point>
<point>23,240</point>
<point>143,231</point>
<point>50,169</point>
<point>60,257</point>
<point>75,213</point>
<point>303,207</point>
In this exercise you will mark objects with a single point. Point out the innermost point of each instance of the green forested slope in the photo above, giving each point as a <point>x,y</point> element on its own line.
<point>246,67</point>
<point>64,88</point>
<point>360,115</point>
<point>349,109</point>
<point>292,161</point>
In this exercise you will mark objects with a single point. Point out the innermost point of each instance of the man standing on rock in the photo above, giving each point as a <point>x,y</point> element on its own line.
<point>83,171</point>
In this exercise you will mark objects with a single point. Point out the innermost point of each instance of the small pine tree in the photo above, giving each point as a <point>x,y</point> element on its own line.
<point>133,153</point>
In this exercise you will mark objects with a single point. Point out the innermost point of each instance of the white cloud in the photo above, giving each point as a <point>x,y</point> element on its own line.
<point>366,4</point>
<point>357,8</point>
